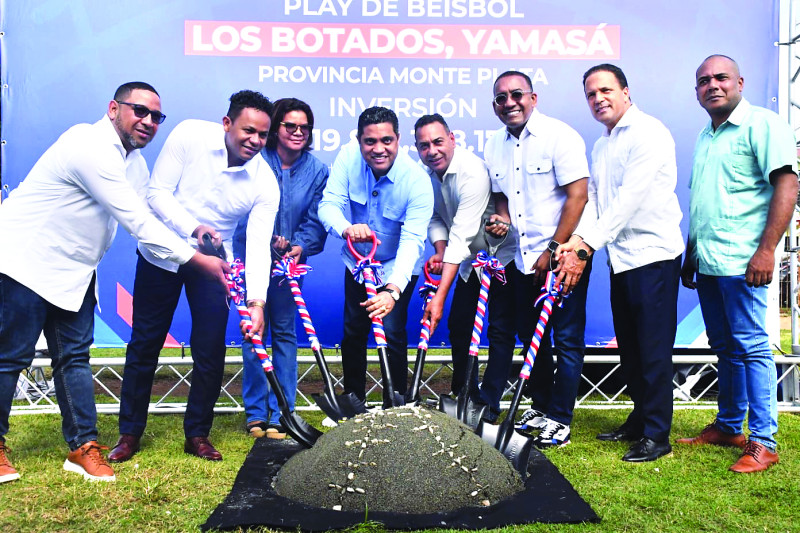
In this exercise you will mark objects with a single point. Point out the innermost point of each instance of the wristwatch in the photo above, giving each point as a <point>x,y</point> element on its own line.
<point>582,254</point>
<point>553,246</point>
<point>393,293</point>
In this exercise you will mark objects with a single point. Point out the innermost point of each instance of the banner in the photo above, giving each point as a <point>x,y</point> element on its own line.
<point>61,63</point>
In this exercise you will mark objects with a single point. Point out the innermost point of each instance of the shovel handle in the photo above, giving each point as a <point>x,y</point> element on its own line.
<point>357,255</point>
<point>428,277</point>
<point>208,248</point>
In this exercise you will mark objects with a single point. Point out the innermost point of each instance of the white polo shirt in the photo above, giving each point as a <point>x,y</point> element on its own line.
<point>532,172</point>
<point>193,185</point>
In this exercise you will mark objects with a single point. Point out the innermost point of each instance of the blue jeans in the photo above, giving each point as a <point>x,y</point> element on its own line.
<point>501,335</point>
<point>260,403</point>
<point>735,316</point>
<point>155,296</point>
<point>554,395</point>
<point>357,329</point>
<point>23,315</point>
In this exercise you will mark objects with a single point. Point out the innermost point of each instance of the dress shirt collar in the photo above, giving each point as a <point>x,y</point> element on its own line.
<point>533,127</point>
<point>736,117</point>
<point>107,127</point>
<point>456,165</point>
<point>627,118</point>
<point>219,149</point>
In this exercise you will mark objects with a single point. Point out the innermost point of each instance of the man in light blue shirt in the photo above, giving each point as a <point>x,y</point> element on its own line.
<point>744,188</point>
<point>375,188</point>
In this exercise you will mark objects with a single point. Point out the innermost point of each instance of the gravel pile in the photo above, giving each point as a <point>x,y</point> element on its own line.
<point>406,460</point>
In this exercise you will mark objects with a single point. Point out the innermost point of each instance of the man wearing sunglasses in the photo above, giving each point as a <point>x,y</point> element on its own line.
<point>299,233</point>
<point>539,179</point>
<point>376,188</point>
<point>206,178</point>
<point>56,227</point>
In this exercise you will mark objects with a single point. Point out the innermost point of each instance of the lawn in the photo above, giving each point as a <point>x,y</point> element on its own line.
<point>163,489</point>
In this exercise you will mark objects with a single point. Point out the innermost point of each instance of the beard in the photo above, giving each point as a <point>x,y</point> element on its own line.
<point>127,137</point>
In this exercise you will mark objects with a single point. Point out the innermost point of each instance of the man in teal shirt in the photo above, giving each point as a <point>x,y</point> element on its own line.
<point>744,188</point>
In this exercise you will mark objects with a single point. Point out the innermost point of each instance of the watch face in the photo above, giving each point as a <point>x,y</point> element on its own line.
<point>553,246</point>
<point>583,255</point>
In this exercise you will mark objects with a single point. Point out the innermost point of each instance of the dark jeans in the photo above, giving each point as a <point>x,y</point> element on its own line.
<point>554,395</point>
<point>155,296</point>
<point>644,305</point>
<point>23,316</point>
<point>501,335</point>
<point>358,327</point>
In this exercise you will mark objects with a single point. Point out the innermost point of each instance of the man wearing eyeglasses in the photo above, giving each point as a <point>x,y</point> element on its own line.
<point>206,178</point>
<point>299,233</point>
<point>539,179</point>
<point>56,227</point>
<point>376,188</point>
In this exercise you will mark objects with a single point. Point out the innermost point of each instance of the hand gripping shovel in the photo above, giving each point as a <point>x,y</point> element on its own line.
<point>296,426</point>
<point>366,272</point>
<point>516,446</point>
<point>337,408</point>
<point>464,408</point>
<point>427,291</point>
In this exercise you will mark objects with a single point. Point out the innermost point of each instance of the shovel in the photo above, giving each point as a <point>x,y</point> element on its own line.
<point>336,407</point>
<point>365,271</point>
<point>298,428</point>
<point>516,446</point>
<point>427,291</point>
<point>464,408</point>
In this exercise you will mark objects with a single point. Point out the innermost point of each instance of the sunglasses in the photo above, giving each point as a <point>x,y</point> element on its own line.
<point>142,111</point>
<point>292,128</point>
<point>516,95</point>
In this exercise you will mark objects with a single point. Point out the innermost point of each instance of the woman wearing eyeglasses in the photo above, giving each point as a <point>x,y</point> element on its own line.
<point>298,231</point>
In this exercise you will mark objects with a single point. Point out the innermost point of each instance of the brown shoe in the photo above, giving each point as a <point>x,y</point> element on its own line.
<point>755,458</point>
<point>7,472</point>
<point>202,447</point>
<point>88,461</point>
<point>711,434</point>
<point>124,449</point>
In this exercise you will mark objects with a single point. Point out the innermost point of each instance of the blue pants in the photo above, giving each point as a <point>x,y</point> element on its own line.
<point>23,316</point>
<point>358,327</point>
<point>644,306</point>
<point>260,402</point>
<point>735,316</point>
<point>501,335</point>
<point>554,395</point>
<point>155,297</point>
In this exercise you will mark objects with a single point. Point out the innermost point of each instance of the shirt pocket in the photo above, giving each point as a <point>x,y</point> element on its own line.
<point>499,180</point>
<point>539,166</point>
<point>394,213</point>
<point>746,174</point>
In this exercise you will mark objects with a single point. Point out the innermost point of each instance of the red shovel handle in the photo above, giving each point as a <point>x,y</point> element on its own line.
<point>357,255</point>
<point>428,277</point>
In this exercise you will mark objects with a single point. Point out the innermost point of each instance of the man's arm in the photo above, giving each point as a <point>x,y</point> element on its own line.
<point>781,207</point>
<point>500,222</point>
<point>689,267</point>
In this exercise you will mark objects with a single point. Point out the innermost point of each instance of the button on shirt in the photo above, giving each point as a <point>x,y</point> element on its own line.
<point>57,225</point>
<point>633,208</point>
<point>193,185</point>
<point>397,207</point>
<point>532,171</point>
<point>730,186</point>
<point>462,205</point>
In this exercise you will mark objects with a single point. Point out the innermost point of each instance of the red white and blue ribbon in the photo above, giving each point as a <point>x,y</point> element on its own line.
<point>369,273</point>
<point>550,296</point>
<point>426,291</point>
<point>290,270</point>
<point>237,292</point>
<point>490,267</point>
<point>374,268</point>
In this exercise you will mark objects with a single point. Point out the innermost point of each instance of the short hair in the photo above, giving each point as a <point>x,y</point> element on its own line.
<point>424,120</point>
<point>283,107</point>
<point>607,67</point>
<point>377,115</point>
<point>509,73</point>
<point>723,56</point>
<point>125,90</point>
<point>245,99</point>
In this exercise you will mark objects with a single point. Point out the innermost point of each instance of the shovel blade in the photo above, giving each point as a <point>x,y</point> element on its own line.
<point>340,407</point>
<point>448,406</point>
<point>300,430</point>
<point>514,446</point>
<point>395,400</point>
<point>473,413</point>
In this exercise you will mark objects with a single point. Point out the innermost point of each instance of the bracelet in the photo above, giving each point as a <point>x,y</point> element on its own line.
<point>255,303</point>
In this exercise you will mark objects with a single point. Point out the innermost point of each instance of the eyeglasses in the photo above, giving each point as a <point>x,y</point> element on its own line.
<point>516,95</point>
<point>142,111</point>
<point>292,128</point>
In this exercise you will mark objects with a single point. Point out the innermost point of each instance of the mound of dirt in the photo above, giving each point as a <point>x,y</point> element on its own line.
<point>406,459</point>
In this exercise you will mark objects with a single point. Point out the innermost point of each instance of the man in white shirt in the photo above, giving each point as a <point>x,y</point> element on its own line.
<point>462,196</point>
<point>206,178</point>
<point>54,230</point>
<point>633,211</point>
<point>539,176</point>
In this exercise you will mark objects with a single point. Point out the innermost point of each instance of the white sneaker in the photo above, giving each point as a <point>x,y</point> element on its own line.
<point>328,422</point>
<point>553,434</point>
<point>531,420</point>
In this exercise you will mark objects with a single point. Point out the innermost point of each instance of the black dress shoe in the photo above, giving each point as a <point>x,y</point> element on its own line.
<point>647,450</point>
<point>624,432</point>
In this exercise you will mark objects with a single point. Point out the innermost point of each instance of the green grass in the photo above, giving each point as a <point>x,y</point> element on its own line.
<point>163,489</point>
